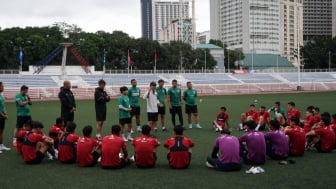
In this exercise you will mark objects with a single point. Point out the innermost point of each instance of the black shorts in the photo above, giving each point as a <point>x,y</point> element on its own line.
<point>135,111</point>
<point>318,146</point>
<point>190,109</point>
<point>2,123</point>
<point>37,160</point>
<point>124,121</point>
<point>21,121</point>
<point>123,164</point>
<point>152,116</point>
<point>100,116</point>
<point>96,156</point>
<point>161,110</point>
<point>176,110</point>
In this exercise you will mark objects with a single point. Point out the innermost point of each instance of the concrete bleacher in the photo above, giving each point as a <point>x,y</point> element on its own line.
<point>256,78</point>
<point>32,81</point>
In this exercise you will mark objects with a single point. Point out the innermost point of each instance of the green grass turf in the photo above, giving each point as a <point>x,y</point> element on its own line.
<point>311,171</point>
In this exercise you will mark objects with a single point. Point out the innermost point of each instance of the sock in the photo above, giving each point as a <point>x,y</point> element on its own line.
<point>14,139</point>
<point>123,136</point>
<point>240,126</point>
<point>257,127</point>
<point>163,127</point>
<point>128,135</point>
<point>98,135</point>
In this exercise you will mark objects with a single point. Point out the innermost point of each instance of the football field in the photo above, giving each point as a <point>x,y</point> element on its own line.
<point>313,170</point>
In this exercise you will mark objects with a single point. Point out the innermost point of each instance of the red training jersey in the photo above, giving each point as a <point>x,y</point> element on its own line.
<point>266,116</point>
<point>111,146</point>
<point>308,123</point>
<point>66,148</point>
<point>29,145</point>
<point>254,115</point>
<point>317,118</point>
<point>179,156</point>
<point>19,139</point>
<point>221,119</point>
<point>327,138</point>
<point>297,140</point>
<point>85,146</point>
<point>333,126</point>
<point>144,148</point>
<point>55,132</point>
<point>292,113</point>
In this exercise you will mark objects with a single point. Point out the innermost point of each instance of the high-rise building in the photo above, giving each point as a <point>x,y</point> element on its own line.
<point>317,19</point>
<point>165,11</point>
<point>291,25</point>
<point>178,30</point>
<point>250,25</point>
<point>147,19</point>
<point>334,18</point>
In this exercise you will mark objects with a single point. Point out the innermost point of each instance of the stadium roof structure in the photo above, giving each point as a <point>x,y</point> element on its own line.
<point>263,61</point>
<point>207,46</point>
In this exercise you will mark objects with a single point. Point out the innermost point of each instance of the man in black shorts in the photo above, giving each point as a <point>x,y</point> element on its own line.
<point>3,118</point>
<point>23,103</point>
<point>162,96</point>
<point>101,98</point>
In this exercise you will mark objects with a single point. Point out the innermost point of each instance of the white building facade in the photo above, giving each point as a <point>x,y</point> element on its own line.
<point>253,26</point>
<point>165,11</point>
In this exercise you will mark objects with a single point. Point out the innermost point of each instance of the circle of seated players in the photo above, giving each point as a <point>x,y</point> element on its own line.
<point>228,154</point>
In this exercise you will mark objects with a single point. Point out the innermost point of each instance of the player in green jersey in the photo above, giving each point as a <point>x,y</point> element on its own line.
<point>175,102</point>
<point>134,96</point>
<point>189,97</point>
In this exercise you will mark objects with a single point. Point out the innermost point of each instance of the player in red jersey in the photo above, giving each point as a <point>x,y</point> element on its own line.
<point>222,120</point>
<point>296,137</point>
<point>251,114</point>
<point>292,112</point>
<point>35,145</point>
<point>263,119</point>
<point>317,116</point>
<point>323,136</point>
<point>56,130</point>
<point>111,147</point>
<point>67,144</point>
<point>88,149</point>
<point>21,135</point>
<point>333,124</point>
<point>144,148</point>
<point>179,149</point>
<point>309,121</point>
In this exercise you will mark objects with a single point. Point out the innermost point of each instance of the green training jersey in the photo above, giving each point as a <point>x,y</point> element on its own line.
<point>22,110</point>
<point>279,111</point>
<point>162,92</point>
<point>2,104</point>
<point>175,96</point>
<point>124,101</point>
<point>134,96</point>
<point>189,96</point>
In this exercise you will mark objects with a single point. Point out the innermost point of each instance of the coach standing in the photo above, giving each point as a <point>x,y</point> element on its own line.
<point>101,98</point>
<point>68,103</point>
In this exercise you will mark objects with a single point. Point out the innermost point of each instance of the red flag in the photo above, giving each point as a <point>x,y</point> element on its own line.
<point>128,57</point>
<point>155,55</point>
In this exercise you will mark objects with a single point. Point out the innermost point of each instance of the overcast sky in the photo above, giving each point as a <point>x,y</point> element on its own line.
<point>90,15</point>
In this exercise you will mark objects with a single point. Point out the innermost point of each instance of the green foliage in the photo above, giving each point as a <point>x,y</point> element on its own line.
<point>38,42</point>
<point>316,53</point>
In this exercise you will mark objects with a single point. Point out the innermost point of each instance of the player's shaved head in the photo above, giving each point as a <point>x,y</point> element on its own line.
<point>67,84</point>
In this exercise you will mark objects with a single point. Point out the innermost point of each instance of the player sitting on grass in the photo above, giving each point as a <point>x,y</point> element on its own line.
<point>21,135</point>
<point>56,130</point>
<point>144,148</point>
<point>263,119</point>
<point>179,149</point>
<point>35,145</point>
<point>252,113</point>
<point>333,124</point>
<point>67,144</point>
<point>111,147</point>
<point>296,137</point>
<point>292,112</point>
<point>317,115</point>
<point>323,136</point>
<point>229,159</point>
<point>309,121</point>
<point>253,145</point>
<point>276,142</point>
<point>88,149</point>
<point>222,120</point>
